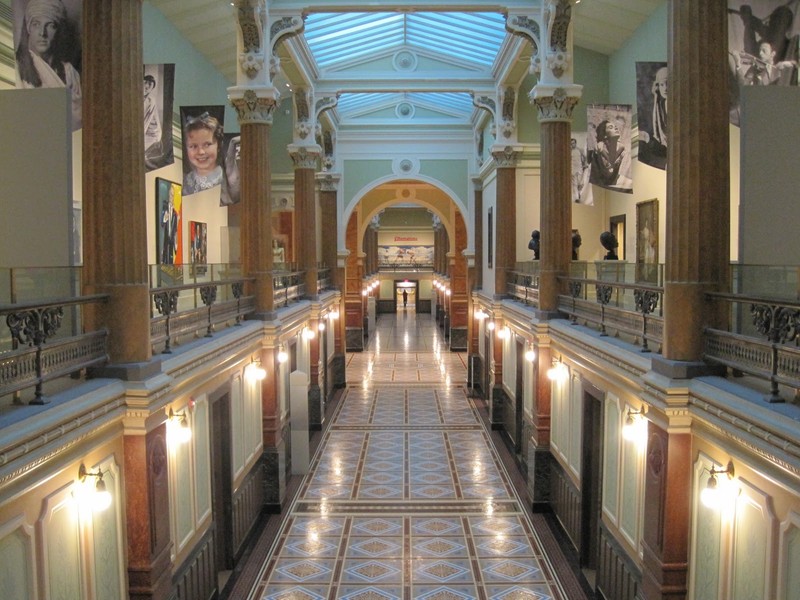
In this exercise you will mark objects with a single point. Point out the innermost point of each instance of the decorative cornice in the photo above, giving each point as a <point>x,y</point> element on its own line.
<point>558,14</point>
<point>254,105</point>
<point>527,27</point>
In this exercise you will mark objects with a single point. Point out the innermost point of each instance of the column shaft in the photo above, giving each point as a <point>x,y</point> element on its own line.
<point>256,227</point>
<point>555,212</point>
<point>306,218</point>
<point>505,219</point>
<point>114,210</point>
<point>698,189</point>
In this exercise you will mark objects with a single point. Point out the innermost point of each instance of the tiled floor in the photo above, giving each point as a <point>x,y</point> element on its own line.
<point>406,496</point>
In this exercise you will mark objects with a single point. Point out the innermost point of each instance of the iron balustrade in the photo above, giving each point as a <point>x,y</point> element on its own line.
<point>770,356</point>
<point>288,286</point>
<point>174,322</point>
<point>638,314</point>
<point>32,361</point>
<point>524,286</point>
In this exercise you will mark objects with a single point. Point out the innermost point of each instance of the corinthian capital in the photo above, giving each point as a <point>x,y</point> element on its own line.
<point>254,105</point>
<point>506,156</point>
<point>556,103</point>
<point>305,156</point>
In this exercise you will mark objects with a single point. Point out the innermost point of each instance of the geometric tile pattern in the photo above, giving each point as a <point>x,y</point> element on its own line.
<point>406,497</point>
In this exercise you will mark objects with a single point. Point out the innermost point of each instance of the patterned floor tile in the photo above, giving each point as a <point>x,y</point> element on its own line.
<point>404,473</point>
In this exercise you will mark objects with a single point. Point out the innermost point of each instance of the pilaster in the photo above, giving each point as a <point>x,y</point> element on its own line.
<point>505,218</point>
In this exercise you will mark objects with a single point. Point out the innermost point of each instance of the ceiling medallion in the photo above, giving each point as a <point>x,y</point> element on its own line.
<point>405,60</point>
<point>405,110</point>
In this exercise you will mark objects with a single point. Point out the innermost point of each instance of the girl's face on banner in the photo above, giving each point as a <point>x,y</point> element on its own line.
<point>202,150</point>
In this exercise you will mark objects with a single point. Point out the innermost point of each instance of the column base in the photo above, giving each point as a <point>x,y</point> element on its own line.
<point>458,339</point>
<point>681,369</point>
<point>316,407</point>
<point>539,471</point>
<point>338,374</point>
<point>275,477</point>
<point>354,340</point>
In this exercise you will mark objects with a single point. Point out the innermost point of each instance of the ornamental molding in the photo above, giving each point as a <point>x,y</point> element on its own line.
<point>558,14</point>
<point>305,157</point>
<point>528,28</point>
<point>506,157</point>
<point>254,105</point>
<point>555,104</point>
<point>329,182</point>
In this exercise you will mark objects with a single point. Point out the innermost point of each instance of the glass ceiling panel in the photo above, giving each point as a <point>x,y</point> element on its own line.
<point>338,37</point>
<point>458,104</point>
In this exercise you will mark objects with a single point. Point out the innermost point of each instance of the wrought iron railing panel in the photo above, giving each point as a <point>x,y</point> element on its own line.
<point>18,368</point>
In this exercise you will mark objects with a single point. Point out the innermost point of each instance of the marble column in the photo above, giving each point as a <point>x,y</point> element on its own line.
<point>555,107</point>
<point>255,108</point>
<point>505,217</point>
<point>698,190</point>
<point>328,214</point>
<point>306,159</point>
<point>114,208</point>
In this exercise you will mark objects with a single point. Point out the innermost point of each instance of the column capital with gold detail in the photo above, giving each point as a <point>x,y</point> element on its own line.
<point>506,156</point>
<point>254,105</point>
<point>305,156</point>
<point>329,182</point>
<point>555,103</point>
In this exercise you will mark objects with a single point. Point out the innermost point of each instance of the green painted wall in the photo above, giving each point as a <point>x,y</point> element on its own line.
<point>453,173</point>
<point>197,82</point>
<point>361,172</point>
<point>648,43</point>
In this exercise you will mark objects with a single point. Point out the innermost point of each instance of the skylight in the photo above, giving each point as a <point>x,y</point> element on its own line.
<point>339,37</point>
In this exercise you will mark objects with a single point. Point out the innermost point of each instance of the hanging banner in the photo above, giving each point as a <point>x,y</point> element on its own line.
<point>203,143</point>
<point>609,146</point>
<point>652,79</point>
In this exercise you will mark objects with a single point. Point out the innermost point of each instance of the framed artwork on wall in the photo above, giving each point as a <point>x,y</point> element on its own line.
<point>169,239</point>
<point>490,237</point>
<point>647,241</point>
<point>198,246</point>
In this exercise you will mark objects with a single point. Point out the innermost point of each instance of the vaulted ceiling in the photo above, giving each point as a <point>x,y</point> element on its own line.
<point>408,60</point>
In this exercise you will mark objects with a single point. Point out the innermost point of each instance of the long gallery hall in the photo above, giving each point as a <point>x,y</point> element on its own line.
<point>407,495</point>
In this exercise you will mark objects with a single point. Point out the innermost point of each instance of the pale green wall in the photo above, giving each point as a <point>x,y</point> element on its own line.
<point>452,173</point>
<point>361,172</point>
<point>648,43</point>
<point>197,82</point>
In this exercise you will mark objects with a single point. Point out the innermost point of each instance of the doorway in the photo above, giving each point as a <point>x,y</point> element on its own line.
<point>406,295</point>
<point>591,480</point>
<point>616,225</point>
<point>221,481</point>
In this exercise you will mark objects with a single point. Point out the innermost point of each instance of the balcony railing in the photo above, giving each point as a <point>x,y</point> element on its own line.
<point>31,361</point>
<point>287,286</point>
<point>762,341</point>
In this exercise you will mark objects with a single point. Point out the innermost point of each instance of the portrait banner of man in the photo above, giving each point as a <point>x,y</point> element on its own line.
<point>652,79</point>
<point>169,238</point>
<point>580,169</point>
<point>47,48</point>
<point>159,89</point>
<point>608,146</point>
<point>762,46</point>
<point>203,144</point>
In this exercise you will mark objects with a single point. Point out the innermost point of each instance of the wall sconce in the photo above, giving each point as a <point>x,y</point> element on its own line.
<point>480,314</point>
<point>491,325</point>
<point>503,333</point>
<point>364,292</point>
<point>179,429</point>
<point>282,355</point>
<point>321,326</point>
<point>308,333</point>
<point>447,292</point>
<point>100,497</point>
<point>635,427</point>
<point>711,496</point>
<point>254,371</point>
<point>530,353</point>
<point>558,372</point>
<point>334,314</point>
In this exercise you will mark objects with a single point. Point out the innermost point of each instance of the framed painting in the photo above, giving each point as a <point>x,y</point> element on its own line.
<point>198,246</point>
<point>169,240</point>
<point>490,237</point>
<point>647,241</point>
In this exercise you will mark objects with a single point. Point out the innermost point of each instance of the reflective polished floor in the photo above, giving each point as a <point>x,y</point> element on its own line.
<point>406,496</point>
